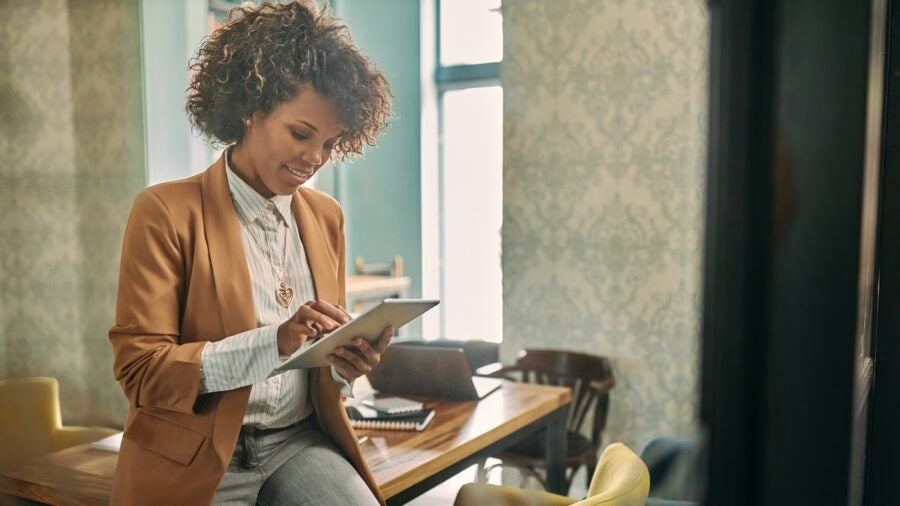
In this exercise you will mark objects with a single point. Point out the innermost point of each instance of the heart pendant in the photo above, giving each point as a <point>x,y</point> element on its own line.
<point>284,295</point>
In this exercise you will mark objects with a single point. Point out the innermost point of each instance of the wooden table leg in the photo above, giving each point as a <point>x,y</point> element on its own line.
<point>556,451</point>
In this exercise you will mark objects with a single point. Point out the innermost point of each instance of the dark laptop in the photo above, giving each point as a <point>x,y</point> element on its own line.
<point>429,372</point>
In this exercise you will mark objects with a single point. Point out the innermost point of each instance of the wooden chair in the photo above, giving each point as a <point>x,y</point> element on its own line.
<point>373,282</point>
<point>393,268</point>
<point>620,479</point>
<point>30,422</point>
<point>590,377</point>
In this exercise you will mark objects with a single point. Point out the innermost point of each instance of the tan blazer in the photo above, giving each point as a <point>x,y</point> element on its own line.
<point>184,280</point>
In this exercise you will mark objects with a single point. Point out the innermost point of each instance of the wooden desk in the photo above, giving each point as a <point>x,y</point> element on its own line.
<point>405,464</point>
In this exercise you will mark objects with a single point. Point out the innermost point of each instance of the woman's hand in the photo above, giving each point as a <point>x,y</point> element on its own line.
<point>312,320</point>
<point>360,357</point>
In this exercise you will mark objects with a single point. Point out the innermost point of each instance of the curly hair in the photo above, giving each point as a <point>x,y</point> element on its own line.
<point>265,54</point>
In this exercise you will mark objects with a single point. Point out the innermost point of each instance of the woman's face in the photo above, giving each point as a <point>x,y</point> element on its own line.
<point>281,150</point>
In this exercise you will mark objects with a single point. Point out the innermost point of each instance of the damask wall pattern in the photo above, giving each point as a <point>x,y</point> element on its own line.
<point>71,161</point>
<point>605,111</point>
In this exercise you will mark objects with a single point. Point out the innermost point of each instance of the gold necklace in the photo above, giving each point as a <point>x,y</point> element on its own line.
<point>283,293</point>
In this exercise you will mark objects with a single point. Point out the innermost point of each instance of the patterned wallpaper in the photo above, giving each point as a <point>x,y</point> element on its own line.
<point>71,160</point>
<point>605,105</point>
<point>604,142</point>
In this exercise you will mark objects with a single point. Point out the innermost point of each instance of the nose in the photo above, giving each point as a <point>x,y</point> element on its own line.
<point>313,156</point>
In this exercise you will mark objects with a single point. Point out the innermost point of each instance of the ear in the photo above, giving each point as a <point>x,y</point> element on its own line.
<point>253,118</point>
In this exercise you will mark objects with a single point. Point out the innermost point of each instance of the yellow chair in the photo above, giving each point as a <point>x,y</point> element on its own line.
<point>620,479</point>
<point>30,422</point>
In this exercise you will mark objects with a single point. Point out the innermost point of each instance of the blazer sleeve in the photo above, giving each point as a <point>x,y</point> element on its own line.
<point>150,363</point>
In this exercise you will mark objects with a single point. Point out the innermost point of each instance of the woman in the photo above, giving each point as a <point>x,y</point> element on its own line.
<point>226,273</point>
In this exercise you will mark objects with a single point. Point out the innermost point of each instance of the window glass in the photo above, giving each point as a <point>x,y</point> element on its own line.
<point>471,32</point>
<point>472,212</point>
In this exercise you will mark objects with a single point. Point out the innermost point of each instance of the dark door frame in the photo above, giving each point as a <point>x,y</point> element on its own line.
<point>788,95</point>
<point>883,452</point>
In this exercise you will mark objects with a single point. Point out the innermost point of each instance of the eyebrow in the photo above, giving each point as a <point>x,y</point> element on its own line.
<point>314,129</point>
<point>310,125</point>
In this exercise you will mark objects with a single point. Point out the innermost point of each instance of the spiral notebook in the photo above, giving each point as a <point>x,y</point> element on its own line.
<point>364,417</point>
<point>394,405</point>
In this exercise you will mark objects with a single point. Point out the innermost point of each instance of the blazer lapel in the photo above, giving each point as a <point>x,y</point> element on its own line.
<point>321,264</point>
<point>226,252</point>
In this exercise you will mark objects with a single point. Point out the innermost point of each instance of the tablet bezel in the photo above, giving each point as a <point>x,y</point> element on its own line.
<point>369,325</point>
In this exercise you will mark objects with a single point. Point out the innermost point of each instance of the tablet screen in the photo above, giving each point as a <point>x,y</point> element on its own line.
<point>369,326</point>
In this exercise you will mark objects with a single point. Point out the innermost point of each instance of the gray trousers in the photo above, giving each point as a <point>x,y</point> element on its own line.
<point>299,465</point>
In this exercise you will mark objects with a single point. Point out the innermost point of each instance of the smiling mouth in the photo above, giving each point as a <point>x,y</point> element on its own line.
<point>299,173</point>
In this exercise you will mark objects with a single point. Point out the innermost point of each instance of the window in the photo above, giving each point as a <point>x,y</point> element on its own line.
<point>470,32</point>
<point>462,210</point>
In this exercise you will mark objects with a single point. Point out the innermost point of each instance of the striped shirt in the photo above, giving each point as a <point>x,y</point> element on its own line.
<point>272,246</point>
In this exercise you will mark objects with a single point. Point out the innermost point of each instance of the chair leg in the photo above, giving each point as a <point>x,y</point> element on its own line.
<point>481,471</point>
<point>568,476</point>
<point>591,466</point>
<point>534,473</point>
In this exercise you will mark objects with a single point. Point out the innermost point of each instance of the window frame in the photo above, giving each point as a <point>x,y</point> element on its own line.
<point>450,78</point>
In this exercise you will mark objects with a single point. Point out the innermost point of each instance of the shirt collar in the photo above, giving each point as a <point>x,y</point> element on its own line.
<point>249,204</point>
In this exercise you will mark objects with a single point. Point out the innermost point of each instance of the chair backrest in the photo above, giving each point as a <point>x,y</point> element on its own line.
<point>620,479</point>
<point>29,416</point>
<point>394,268</point>
<point>589,376</point>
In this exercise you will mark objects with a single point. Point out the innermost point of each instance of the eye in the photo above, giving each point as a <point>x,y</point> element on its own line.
<point>331,143</point>
<point>299,136</point>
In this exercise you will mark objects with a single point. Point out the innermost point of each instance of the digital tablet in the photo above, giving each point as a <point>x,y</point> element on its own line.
<point>369,326</point>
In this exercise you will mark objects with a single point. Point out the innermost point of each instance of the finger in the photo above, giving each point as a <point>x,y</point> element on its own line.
<point>331,311</point>
<point>344,310</point>
<point>296,336</point>
<point>385,339</point>
<point>309,315</point>
<point>344,368</point>
<point>372,356</point>
<point>356,359</point>
<point>312,309</point>
<point>301,331</point>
